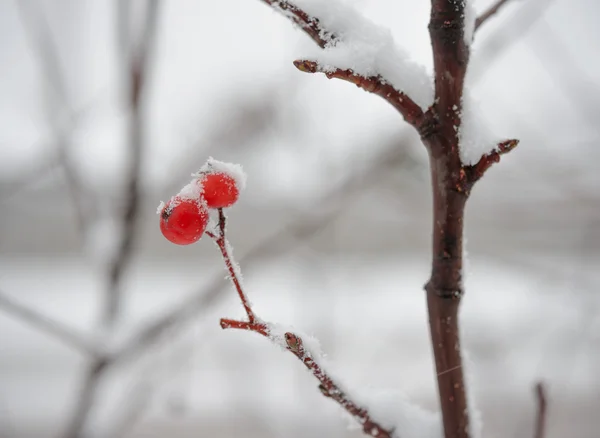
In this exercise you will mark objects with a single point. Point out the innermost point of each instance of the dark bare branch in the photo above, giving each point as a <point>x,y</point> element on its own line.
<point>540,420</point>
<point>308,24</point>
<point>411,112</point>
<point>47,325</point>
<point>492,10</point>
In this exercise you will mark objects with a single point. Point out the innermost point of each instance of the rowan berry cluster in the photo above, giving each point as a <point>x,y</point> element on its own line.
<point>184,218</point>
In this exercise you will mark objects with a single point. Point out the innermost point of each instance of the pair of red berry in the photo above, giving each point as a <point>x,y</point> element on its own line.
<point>184,218</point>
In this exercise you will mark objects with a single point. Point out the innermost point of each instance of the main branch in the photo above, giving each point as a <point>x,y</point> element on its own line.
<point>444,288</point>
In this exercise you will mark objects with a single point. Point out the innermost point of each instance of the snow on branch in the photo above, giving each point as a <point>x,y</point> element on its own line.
<point>357,50</point>
<point>305,21</point>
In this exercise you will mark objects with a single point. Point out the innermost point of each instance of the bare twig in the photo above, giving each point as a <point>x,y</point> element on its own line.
<point>492,10</point>
<point>540,420</point>
<point>411,112</point>
<point>48,325</point>
<point>294,343</point>
<point>476,171</point>
<point>308,24</point>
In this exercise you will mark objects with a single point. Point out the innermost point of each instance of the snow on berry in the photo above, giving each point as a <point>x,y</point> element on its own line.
<point>235,171</point>
<point>183,221</point>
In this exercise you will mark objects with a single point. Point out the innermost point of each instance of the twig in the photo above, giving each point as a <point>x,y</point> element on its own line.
<point>294,343</point>
<point>48,325</point>
<point>540,421</point>
<point>492,10</point>
<point>223,244</point>
<point>308,24</point>
<point>476,171</point>
<point>411,112</point>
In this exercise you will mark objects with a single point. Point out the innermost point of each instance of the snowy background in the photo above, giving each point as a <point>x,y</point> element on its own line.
<point>341,169</point>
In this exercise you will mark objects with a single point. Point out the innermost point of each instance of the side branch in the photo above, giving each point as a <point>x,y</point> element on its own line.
<point>474,172</point>
<point>411,112</point>
<point>308,24</point>
<point>327,386</point>
<point>492,10</point>
<point>293,342</point>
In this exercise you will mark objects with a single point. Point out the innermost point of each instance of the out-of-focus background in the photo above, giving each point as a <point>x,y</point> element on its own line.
<point>333,230</point>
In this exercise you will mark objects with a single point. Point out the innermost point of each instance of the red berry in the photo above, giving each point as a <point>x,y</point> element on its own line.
<point>220,190</point>
<point>183,221</point>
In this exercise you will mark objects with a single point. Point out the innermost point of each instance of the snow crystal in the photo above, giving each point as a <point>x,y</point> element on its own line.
<point>475,138</point>
<point>192,190</point>
<point>367,49</point>
<point>233,170</point>
<point>393,411</point>
<point>470,17</point>
<point>160,207</point>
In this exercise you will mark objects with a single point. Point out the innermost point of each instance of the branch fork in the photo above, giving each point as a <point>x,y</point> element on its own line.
<point>292,341</point>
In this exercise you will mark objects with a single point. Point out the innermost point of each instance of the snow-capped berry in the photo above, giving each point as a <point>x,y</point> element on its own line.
<point>219,190</point>
<point>183,221</point>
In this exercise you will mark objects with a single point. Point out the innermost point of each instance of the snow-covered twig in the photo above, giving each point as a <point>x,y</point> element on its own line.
<point>293,342</point>
<point>306,22</point>
<point>48,325</point>
<point>540,420</point>
<point>411,112</point>
<point>492,10</point>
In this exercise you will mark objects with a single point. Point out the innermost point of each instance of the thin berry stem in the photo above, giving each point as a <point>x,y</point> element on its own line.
<point>223,244</point>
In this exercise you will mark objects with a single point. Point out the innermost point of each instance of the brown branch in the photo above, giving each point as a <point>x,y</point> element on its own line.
<point>492,10</point>
<point>223,244</point>
<point>476,171</point>
<point>540,421</point>
<point>310,25</point>
<point>47,325</point>
<point>327,385</point>
<point>294,342</point>
<point>445,287</point>
<point>411,112</point>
